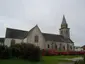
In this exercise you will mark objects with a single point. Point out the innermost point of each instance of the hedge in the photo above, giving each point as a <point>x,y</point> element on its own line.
<point>23,51</point>
<point>50,52</point>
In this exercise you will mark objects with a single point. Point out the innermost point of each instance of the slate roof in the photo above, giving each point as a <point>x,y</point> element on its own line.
<point>53,37</point>
<point>64,20</point>
<point>15,33</point>
<point>57,38</point>
<point>20,34</point>
<point>1,40</point>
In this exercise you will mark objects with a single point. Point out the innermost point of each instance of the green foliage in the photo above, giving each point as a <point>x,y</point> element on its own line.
<point>30,52</point>
<point>23,51</point>
<point>17,61</point>
<point>4,52</point>
<point>84,58</point>
<point>79,62</point>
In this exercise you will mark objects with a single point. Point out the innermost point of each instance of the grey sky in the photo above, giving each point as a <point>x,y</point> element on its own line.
<point>25,14</point>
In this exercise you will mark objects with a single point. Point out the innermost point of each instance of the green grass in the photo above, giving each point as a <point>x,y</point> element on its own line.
<point>45,60</point>
<point>17,61</point>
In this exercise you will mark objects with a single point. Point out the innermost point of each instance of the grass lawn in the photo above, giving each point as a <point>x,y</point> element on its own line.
<point>17,61</point>
<point>46,60</point>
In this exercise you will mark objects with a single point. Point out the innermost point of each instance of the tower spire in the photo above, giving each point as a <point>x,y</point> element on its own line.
<point>64,20</point>
<point>64,30</point>
<point>64,23</point>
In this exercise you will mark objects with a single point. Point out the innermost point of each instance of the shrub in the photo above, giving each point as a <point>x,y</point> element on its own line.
<point>5,53</point>
<point>2,48</point>
<point>23,51</point>
<point>84,58</point>
<point>26,51</point>
<point>36,54</point>
<point>79,62</point>
<point>16,50</point>
<point>49,52</point>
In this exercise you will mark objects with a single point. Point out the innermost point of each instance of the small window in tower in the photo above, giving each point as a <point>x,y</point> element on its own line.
<point>48,46</point>
<point>36,38</point>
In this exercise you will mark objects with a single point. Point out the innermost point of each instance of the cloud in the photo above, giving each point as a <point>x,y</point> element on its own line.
<point>24,14</point>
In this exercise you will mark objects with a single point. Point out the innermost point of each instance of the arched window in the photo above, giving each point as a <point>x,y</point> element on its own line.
<point>60,47</point>
<point>71,47</point>
<point>36,38</point>
<point>55,46</point>
<point>12,42</point>
<point>48,46</point>
<point>63,47</point>
<point>67,46</point>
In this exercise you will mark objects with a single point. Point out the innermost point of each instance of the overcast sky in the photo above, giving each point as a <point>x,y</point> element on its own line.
<point>25,14</point>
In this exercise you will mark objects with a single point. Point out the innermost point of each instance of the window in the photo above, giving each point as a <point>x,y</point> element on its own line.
<point>12,42</point>
<point>48,46</point>
<point>60,47</point>
<point>71,47</point>
<point>55,46</point>
<point>67,46</point>
<point>36,38</point>
<point>63,47</point>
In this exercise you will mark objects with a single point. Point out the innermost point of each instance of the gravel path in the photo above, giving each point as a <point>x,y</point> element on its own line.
<point>75,59</point>
<point>72,59</point>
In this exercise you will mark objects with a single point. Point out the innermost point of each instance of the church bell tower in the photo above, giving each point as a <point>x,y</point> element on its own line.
<point>64,30</point>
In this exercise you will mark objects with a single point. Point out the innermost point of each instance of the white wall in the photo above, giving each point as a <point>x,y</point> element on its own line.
<point>63,44</point>
<point>8,41</point>
<point>48,43</point>
<point>58,45</point>
<point>33,33</point>
<point>71,44</point>
<point>55,43</point>
<point>25,40</point>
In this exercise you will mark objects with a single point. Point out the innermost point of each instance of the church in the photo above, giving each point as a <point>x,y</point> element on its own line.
<point>43,40</point>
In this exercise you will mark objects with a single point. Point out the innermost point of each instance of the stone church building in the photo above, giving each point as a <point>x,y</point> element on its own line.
<point>43,40</point>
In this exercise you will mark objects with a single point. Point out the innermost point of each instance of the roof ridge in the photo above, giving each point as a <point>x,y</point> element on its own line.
<point>17,29</point>
<point>51,34</point>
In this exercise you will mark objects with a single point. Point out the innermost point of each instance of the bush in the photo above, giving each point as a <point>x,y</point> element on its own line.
<point>36,54</point>
<point>79,62</point>
<point>26,51</point>
<point>84,58</point>
<point>23,51</point>
<point>2,48</point>
<point>49,52</point>
<point>5,53</point>
<point>16,50</point>
<point>52,52</point>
